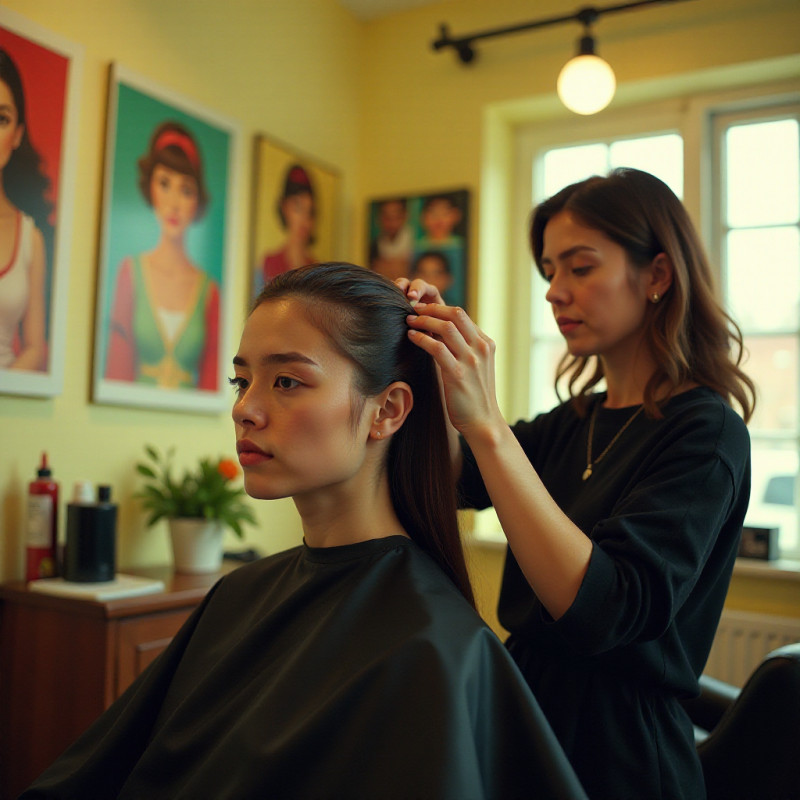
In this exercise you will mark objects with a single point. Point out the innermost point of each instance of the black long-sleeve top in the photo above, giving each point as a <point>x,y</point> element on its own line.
<point>664,509</point>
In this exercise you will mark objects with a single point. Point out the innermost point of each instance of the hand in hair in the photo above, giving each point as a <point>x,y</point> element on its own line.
<point>419,291</point>
<point>465,357</point>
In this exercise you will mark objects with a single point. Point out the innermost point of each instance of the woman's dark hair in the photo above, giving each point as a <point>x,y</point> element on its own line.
<point>173,146</point>
<point>25,182</point>
<point>688,331</point>
<point>364,316</point>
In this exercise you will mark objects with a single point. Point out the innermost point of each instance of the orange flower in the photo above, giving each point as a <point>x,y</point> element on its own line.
<point>227,468</point>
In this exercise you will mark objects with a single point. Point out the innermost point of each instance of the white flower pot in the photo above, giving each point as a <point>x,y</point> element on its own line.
<point>196,544</point>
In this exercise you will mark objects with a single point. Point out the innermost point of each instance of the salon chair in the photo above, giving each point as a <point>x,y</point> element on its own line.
<point>748,739</point>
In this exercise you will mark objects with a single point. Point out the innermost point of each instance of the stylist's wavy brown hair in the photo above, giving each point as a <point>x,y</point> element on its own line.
<point>688,331</point>
<point>364,316</point>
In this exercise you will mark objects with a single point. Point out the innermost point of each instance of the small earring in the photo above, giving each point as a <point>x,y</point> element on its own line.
<point>655,297</point>
<point>378,434</point>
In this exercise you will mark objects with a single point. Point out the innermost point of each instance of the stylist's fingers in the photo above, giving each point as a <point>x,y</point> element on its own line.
<point>465,357</point>
<point>419,291</point>
<point>450,323</point>
<point>441,353</point>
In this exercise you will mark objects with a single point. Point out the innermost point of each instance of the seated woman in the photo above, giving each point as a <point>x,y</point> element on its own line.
<point>353,665</point>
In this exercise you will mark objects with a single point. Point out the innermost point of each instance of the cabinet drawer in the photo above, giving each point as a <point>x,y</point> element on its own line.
<point>140,640</point>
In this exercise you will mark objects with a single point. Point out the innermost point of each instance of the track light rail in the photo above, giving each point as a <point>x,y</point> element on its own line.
<point>463,45</point>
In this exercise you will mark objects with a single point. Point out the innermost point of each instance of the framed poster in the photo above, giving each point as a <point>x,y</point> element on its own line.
<point>40,73</point>
<point>294,206</point>
<point>165,272</point>
<point>422,236</point>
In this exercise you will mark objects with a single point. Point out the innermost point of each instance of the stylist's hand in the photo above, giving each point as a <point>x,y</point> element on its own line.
<point>465,357</point>
<point>419,291</point>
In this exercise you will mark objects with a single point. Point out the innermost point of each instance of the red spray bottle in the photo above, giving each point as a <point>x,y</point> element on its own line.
<point>41,541</point>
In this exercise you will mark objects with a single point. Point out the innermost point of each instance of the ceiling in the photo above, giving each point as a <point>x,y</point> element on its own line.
<point>374,9</point>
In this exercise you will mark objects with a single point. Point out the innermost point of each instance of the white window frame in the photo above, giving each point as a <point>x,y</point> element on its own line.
<point>690,116</point>
<point>720,120</point>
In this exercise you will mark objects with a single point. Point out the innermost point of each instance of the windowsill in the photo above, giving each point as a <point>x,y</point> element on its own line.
<point>785,569</point>
<point>490,539</point>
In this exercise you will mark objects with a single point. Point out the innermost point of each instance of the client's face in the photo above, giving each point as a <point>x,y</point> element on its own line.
<point>294,429</point>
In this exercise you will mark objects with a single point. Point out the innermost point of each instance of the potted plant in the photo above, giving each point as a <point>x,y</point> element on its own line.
<point>197,506</point>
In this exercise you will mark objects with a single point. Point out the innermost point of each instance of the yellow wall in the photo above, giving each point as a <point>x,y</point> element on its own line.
<point>425,114</point>
<point>374,101</point>
<point>289,69</point>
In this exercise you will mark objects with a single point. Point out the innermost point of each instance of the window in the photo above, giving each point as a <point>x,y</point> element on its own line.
<point>748,208</point>
<point>757,235</point>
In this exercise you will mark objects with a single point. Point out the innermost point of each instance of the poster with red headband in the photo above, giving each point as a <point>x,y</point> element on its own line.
<point>39,80</point>
<point>295,201</point>
<point>163,320</point>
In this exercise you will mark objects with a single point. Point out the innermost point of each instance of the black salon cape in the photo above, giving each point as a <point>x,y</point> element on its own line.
<point>347,672</point>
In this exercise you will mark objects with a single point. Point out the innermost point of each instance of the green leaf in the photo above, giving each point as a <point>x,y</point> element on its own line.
<point>199,492</point>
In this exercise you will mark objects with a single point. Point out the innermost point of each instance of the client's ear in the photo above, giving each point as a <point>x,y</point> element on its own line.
<point>391,407</point>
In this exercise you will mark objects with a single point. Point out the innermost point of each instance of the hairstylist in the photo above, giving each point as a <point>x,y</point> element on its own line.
<point>623,507</point>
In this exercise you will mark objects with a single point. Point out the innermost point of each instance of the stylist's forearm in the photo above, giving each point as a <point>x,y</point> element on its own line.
<point>552,552</point>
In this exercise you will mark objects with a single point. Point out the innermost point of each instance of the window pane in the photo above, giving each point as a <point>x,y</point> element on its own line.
<point>772,363</point>
<point>762,164</point>
<point>763,279</point>
<point>567,165</point>
<point>662,156</point>
<point>774,492</point>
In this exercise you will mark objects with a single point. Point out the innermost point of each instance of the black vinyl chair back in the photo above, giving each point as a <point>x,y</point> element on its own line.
<point>754,750</point>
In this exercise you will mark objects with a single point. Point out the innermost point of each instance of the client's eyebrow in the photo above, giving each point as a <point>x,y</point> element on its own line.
<point>269,359</point>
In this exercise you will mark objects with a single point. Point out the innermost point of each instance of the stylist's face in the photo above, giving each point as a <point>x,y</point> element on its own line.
<point>598,299</point>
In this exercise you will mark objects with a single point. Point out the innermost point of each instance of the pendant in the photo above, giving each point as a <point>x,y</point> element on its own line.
<point>587,473</point>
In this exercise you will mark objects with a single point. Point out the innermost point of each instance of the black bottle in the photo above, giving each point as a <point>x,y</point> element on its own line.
<point>90,555</point>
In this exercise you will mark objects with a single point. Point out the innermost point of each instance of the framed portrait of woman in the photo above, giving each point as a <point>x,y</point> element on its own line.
<point>294,203</point>
<point>39,79</point>
<point>166,259</point>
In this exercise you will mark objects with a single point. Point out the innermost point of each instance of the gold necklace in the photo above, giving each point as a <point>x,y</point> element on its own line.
<point>587,473</point>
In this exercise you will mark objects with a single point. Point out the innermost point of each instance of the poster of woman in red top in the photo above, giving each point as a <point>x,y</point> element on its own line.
<point>39,76</point>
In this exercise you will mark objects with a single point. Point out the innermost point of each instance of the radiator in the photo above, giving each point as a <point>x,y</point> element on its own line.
<point>742,641</point>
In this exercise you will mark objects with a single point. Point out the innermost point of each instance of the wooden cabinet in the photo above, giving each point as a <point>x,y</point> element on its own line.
<point>64,660</point>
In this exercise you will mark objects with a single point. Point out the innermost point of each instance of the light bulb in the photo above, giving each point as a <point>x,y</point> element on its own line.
<point>586,84</point>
